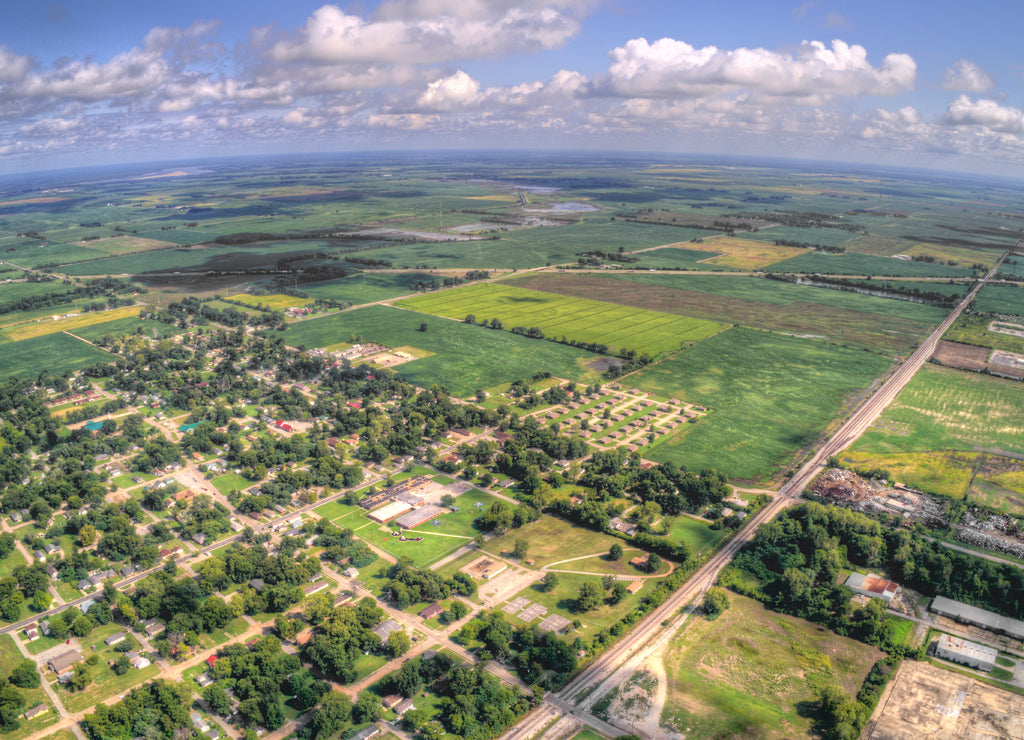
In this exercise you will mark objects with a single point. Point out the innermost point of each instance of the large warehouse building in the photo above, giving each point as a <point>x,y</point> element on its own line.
<point>966,653</point>
<point>978,617</point>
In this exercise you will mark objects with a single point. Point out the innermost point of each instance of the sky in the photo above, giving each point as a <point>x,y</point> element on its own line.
<point>936,84</point>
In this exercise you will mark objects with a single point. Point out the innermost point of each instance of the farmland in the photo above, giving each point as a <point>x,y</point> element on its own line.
<point>850,263</point>
<point>746,254</point>
<point>56,353</point>
<point>749,672</point>
<point>28,330</point>
<point>879,324</point>
<point>946,409</point>
<point>467,357</point>
<point>1000,299</point>
<point>367,287</point>
<point>769,395</point>
<point>974,329</point>
<point>582,320</point>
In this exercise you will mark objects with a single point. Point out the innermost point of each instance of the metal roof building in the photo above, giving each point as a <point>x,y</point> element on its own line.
<point>978,617</point>
<point>966,653</point>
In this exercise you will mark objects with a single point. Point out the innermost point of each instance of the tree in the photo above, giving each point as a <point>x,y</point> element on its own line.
<point>618,593</point>
<point>615,552</point>
<point>82,626</point>
<point>715,602</point>
<point>217,698</point>
<point>589,596</point>
<point>87,535</point>
<point>423,326</point>
<point>25,675</point>
<point>11,703</point>
<point>398,643</point>
<point>334,714</point>
<point>522,547</point>
<point>121,666</point>
<point>456,611</point>
<point>367,708</point>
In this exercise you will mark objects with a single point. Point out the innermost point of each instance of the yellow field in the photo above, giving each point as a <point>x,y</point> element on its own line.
<point>275,301</point>
<point>962,255</point>
<point>744,254</point>
<point>124,244</point>
<point>40,327</point>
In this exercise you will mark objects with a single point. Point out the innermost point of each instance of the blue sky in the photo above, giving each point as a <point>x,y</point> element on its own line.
<point>935,84</point>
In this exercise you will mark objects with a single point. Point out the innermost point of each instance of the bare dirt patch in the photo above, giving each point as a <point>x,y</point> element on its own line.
<point>925,701</point>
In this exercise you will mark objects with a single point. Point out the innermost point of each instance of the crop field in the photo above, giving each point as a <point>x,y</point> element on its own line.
<point>275,302</point>
<point>22,331</point>
<point>879,324</point>
<point>466,357</point>
<point>746,254</point>
<point>851,263</point>
<point>58,353</point>
<point>367,287</point>
<point>532,247</point>
<point>677,258</point>
<point>973,329</point>
<point>124,244</point>
<point>24,289</point>
<point>1000,299</point>
<point>963,256</point>
<point>1013,265</point>
<point>804,235</point>
<point>946,409</point>
<point>751,671</point>
<point>879,246</point>
<point>576,318</point>
<point>769,396</point>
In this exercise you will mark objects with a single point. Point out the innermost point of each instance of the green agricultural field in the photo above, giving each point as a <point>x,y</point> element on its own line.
<point>1000,299</point>
<point>677,258</point>
<point>880,324</point>
<point>751,672</point>
<point>368,287</point>
<point>123,327</point>
<point>466,357</point>
<point>769,396</point>
<point>24,289</point>
<point>946,409</point>
<point>56,353</point>
<point>851,263</point>
<point>575,318</point>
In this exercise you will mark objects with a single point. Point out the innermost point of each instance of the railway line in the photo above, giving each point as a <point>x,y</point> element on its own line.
<point>654,632</point>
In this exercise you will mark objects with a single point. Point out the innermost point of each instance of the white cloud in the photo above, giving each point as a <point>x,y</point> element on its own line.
<point>450,93</point>
<point>966,76</point>
<point>133,73</point>
<point>669,67</point>
<point>13,67</point>
<point>985,113</point>
<point>332,36</point>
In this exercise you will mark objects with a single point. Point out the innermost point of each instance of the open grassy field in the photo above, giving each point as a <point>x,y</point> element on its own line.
<point>679,257</point>
<point>746,254</point>
<point>697,535</point>
<point>973,329</point>
<point>24,289</point>
<point>57,353</point>
<point>367,287</point>
<point>9,658</point>
<point>851,263</point>
<point>843,317</point>
<point>552,540</point>
<point>40,328</point>
<point>946,409</point>
<point>125,326</point>
<point>751,673</point>
<point>576,318</point>
<point>943,472</point>
<point>275,302</point>
<point>467,357</point>
<point>769,396</point>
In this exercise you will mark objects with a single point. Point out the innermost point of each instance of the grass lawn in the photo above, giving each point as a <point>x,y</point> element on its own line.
<point>13,560</point>
<point>601,565</point>
<point>551,540</point>
<point>698,535</point>
<point>430,548</point>
<point>770,395</point>
<point>576,318</point>
<point>336,510</point>
<point>104,685</point>
<point>466,357</point>
<point>228,481</point>
<point>747,673</point>
<point>563,601</point>
<point>946,409</point>
<point>461,522</point>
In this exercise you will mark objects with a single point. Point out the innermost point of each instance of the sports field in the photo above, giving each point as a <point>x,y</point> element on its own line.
<point>880,324</point>
<point>575,318</point>
<point>465,357</point>
<point>769,396</point>
<point>751,673</point>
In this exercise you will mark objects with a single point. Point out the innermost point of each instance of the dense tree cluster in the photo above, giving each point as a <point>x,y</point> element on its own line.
<point>408,584</point>
<point>342,636</point>
<point>158,709</point>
